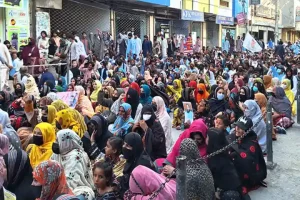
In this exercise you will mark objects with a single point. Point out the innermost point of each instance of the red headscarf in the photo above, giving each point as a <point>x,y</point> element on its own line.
<point>136,87</point>
<point>240,83</point>
<point>193,84</point>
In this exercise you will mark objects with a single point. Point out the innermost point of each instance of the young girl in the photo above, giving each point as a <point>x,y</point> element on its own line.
<point>103,178</point>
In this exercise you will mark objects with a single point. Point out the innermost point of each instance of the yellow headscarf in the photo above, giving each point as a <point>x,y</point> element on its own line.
<point>43,152</point>
<point>66,120</point>
<point>78,118</point>
<point>59,105</point>
<point>290,95</point>
<point>51,115</point>
<point>175,91</point>
<point>94,95</point>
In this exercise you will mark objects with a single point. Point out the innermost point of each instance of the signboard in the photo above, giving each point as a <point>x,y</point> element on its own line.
<point>224,20</point>
<point>297,14</point>
<point>70,98</point>
<point>264,11</point>
<point>17,26</point>
<point>254,2</point>
<point>158,2</point>
<point>42,23</point>
<point>192,15</point>
<point>241,19</point>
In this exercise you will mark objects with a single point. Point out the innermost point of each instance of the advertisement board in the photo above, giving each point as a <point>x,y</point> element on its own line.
<point>297,14</point>
<point>15,4</point>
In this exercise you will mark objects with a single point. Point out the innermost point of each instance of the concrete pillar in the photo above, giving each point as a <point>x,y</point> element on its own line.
<point>265,39</point>
<point>112,24</point>
<point>204,33</point>
<point>220,35</point>
<point>151,27</point>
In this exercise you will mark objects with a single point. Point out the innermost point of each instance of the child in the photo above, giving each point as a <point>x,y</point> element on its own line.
<point>103,178</point>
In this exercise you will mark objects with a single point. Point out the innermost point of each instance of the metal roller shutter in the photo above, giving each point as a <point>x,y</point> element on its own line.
<point>80,17</point>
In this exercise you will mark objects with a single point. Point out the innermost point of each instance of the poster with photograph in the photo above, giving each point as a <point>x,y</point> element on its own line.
<point>42,23</point>
<point>188,112</point>
<point>69,98</point>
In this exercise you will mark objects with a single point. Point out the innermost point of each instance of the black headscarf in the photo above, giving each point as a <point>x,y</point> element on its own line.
<point>6,101</point>
<point>290,77</point>
<point>19,92</point>
<point>212,89</point>
<point>148,108</point>
<point>243,98</point>
<point>132,98</point>
<point>217,105</point>
<point>44,90</point>
<point>217,140</point>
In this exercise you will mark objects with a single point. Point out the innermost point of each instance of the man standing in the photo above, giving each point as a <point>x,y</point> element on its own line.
<point>164,47</point>
<point>239,44</point>
<point>147,46</point>
<point>85,42</point>
<point>73,53</point>
<point>138,42</point>
<point>198,45</point>
<point>226,45</point>
<point>131,46</point>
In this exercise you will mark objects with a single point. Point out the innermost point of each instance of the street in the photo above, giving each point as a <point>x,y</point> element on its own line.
<point>284,181</point>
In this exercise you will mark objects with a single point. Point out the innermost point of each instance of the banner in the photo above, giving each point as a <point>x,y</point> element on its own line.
<point>241,19</point>
<point>251,44</point>
<point>69,98</point>
<point>15,4</point>
<point>17,26</point>
<point>297,19</point>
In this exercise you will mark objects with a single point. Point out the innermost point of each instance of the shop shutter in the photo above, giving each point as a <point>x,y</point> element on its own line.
<point>80,17</point>
<point>137,23</point>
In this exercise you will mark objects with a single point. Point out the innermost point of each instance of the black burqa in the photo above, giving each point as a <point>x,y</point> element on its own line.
<point>137,157</point>
<point>132,98</point>
<point>19,176</point>
<point>102,135</point>
<point>216,105</point>
<point>221,166</point>
<point>155,139</point>
<point>186,97</point>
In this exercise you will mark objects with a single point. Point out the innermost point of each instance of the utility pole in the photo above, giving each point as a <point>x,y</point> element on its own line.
<point>33,19</point>
<point>276,22</point>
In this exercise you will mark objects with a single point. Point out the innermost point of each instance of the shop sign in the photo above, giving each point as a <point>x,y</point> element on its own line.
<point>15,4</point>
<point>224,20</point>
<point>264,11</point>
<point>297,14</point>
<point>158,2</point>
<point>241,18</point>
<point>17,26</point>
<point>192,15</point>
<point>254,2</point>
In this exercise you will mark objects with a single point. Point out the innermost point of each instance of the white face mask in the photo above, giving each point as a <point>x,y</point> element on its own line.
<point>283,86</point>
<point>146,117</point>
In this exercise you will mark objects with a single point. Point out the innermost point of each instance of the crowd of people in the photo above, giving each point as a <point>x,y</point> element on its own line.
<point>116,142</point>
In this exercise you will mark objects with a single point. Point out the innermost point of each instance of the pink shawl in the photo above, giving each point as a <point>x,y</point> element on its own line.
<point>150,181</point>
<point>196,126</point>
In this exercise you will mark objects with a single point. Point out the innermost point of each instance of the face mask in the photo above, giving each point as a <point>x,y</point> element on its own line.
<point>220,96</point>
<point>115,98</point>
<point>128,154</point>
<point>228,130</point>
<point>143,95</point>
<point>58,126</point>
<point>255,89</point>
<point>201,91</point>
<point>278,71</point>
<point>146,117</point>
<point>226,69</point>
<point>154,106</point>
<point>283,86</point>
<point>37,140</point>
<point>243,98</point>
<point>18,91</point>
<point>55,148</point>
<point>44,118</point>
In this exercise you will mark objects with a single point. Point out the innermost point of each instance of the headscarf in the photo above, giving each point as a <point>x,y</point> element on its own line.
<point>9,131</point>
<point>289,77</point>
<point>75,163</point>
<point>116,105</point>
<point>25,134</point>
<point>44,90</point>
<point>94,95</point>
<point>176,91</point>
<point>83,102</point>
<point>261,101</point>
<point>275,82</point>
<point>17,164</point>
<point>66,120</point>
<point>45,101</point>
<point>212,89</point>
<point>197,126</point>
<point>147,99</point>
<point>4,145</point>
<point>121,125</point>
<point>146,186</point>
<point>113,84</point>
<point>31,88</point>
<point>6,101</point>
<point>267,81</point>
<point>50,174</point>
<point>136,87</point>
<point>43,152</point>
<point>51,115</point>
<point>53,96</point>
<point>290,95</point>
<point>199,178</point>
<point>205,94</point>
<point>132,98</point>
<point>165,121</point>
<point>247,94</point>
<point>19,93</point>
<point>59,105</point>
<point>193,84</point>
<point>280,103</point>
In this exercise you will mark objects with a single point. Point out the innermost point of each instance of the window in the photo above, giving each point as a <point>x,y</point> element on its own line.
<point>224,3</point>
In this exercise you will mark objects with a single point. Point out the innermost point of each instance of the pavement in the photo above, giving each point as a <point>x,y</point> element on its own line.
<point>284,180</point>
